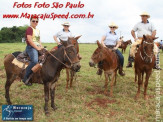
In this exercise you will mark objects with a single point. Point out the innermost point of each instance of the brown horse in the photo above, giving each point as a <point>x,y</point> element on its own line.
<point>50,71</point>
<point>144,62</point>
<point>70,73</point>
<point>124,45</point>
<point>110,64</point>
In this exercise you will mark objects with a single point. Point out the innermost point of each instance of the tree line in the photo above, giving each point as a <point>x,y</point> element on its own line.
<point>12,34</point>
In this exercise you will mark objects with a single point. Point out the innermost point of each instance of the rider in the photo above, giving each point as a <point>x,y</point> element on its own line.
<point>33,46</point>
<point>145,27</point>
<point>111,40</point>
<point>64,34</point>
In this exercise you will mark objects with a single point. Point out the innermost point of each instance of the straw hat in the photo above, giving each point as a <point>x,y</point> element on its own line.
<point>145,14</point>
<point>66,23</point>
<point>112,24</point>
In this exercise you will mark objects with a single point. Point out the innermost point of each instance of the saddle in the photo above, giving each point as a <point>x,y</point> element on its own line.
<point>22,60</point>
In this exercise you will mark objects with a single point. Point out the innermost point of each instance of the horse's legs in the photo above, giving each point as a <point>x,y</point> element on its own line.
<point>139,84</point>
<point>9,81</point>
<point>67,73</point>
<point>111,84</point>
<point>135,77</point>
<point>72,76</point>
<point>52,94</point>
<point>146,84</point>
<point>142,79</point>
<point>106,83</point>
<point>115,82</point>
<point>46,95</point>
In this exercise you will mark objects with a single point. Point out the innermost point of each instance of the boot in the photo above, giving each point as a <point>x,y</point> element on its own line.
<point>129,64</point>
<point>99,72</point>
<point>26,80</point>
<point>121,72</point>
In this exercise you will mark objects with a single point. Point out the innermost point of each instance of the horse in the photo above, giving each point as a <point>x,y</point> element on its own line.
<point>110,64</point>
<point>144,63</point>
<point>124,45</point>
<point>70,73</point>
<point>65,56</point>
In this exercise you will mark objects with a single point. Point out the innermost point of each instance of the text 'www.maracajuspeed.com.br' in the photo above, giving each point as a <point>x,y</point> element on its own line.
<point>49,16</point>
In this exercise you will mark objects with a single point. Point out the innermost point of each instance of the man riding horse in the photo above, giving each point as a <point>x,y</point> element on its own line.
<point>32,48</point>
<point>111,40</point>
<point>145,27</point>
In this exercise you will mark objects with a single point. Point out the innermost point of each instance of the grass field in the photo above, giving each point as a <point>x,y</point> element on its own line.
<point>85,101</point>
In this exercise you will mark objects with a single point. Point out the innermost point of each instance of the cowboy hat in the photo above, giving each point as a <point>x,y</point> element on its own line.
<point>145,14</point>
<point>66,23</point>
<point>112,24</point>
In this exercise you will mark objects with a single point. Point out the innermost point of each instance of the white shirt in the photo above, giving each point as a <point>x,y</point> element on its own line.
<point>63,35</point>
<point>144,29</point>
<point>111,39</point>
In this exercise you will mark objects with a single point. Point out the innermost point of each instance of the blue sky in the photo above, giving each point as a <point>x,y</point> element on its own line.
<point>125,13</point>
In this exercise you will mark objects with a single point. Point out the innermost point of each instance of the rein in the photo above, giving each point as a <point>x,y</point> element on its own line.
<point>65,54</point>
<point>151,56</point>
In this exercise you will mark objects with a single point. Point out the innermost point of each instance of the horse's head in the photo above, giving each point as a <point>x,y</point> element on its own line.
<point>70,54</point>
<point>129,42</point>
<point>147,47</point>
<point>74,41</point>
<point>98,55</point>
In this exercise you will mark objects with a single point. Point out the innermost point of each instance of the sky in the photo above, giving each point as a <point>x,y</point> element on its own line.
<point>125,13</point>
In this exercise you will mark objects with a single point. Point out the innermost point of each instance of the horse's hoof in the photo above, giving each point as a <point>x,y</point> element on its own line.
<point>9,103</point>
<point>47,113</point>
<point>146,97</point>
<point>54,108</point>
<point>111,95</point>
<point>136,97</point>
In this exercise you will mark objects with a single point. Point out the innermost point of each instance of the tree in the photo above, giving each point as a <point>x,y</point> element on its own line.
<point>13,34</point>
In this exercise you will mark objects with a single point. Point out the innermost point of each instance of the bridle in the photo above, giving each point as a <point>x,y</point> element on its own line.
<point>146,55</point>
<point>65,55</point>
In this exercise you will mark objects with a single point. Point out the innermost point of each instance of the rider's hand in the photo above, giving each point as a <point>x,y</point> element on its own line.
<point>38,48</point>
<point>59,43</point>
<point>135,39</point>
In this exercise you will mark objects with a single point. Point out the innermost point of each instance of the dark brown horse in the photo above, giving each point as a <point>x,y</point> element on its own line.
<point>50,71</point>
<point>70,73</point>
<point>110,64</point>
<point>144,62</point>
<point>124,45</point>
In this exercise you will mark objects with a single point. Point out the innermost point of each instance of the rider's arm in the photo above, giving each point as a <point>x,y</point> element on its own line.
<point>154,33</point>
<point>40,43</point>
<point>133,34</point>
<point>118,44</point>
<point>102,41</point>
<point>55,38</point>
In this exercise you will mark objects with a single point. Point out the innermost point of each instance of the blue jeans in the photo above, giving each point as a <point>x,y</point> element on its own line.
<point>33,54</point>
<point>121,58</point>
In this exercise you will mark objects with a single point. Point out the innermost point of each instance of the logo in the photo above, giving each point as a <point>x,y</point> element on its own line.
<point>17,112</point>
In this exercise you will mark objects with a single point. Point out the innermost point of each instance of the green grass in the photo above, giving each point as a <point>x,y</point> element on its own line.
<point>85,101</point>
